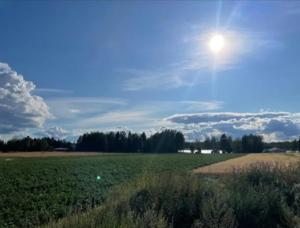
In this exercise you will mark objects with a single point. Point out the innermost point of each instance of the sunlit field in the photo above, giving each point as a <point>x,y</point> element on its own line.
<point>40,190</point>
<point>259,195</point>
<point>249,160</point>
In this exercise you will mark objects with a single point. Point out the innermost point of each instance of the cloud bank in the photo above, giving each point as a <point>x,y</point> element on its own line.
<point>19,109</point>
<point>274,126</point>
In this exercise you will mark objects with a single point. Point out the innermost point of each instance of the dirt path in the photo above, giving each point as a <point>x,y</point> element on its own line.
<point>248,160</point>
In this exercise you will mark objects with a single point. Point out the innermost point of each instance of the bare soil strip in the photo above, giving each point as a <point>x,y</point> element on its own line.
<point>45,154</point>
<point>249,160</point>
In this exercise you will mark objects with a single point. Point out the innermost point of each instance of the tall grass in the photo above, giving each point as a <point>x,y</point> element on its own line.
<point>259,196</point>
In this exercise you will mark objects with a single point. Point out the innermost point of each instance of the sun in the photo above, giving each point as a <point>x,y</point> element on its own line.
<point>216,43</point>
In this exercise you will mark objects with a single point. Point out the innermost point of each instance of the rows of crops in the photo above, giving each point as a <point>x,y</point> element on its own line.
<point>37,190</point>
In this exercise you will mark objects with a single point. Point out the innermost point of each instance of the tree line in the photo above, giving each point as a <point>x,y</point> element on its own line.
<point>246,144</point>
<point>35,144</point>
<point>167,141</point>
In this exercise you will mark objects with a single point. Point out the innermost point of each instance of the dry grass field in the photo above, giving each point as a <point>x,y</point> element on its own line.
<point>45,154</point>
<point>278,159</point>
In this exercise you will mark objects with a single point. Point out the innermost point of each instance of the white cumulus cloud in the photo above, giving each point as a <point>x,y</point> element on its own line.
<point>19,109</point>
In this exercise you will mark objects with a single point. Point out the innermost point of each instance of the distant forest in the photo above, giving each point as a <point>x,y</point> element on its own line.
<point>246,144</point>
<point>167,141</point>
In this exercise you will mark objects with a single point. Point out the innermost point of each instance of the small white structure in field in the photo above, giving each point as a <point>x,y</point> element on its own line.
<point>203,151</point>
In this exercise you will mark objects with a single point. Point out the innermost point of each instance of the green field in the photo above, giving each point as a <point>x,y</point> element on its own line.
<point>35,191</point>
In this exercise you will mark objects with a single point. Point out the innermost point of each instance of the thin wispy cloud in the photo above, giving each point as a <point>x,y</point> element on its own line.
<point>71,107</point>
<point>144,116</point>
<point>45,91</point>
<point>116,118</point>
<point>147,79</point>
<point>197,65</point>
<point>201,105</point>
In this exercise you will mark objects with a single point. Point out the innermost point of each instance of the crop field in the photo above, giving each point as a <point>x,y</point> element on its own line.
<point>43,154</point>
<point>249,160</point>
<point>37,190</point>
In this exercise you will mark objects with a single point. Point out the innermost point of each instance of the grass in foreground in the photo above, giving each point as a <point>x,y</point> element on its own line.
<point>35,191</point>
<point>261,196</point>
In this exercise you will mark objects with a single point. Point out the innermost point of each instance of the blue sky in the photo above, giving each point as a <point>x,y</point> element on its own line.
<point>144,66</point>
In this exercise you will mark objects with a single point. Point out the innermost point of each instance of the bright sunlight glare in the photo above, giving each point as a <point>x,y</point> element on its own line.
<point>216,43</point>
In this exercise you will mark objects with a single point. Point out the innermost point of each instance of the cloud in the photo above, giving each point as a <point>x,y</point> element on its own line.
<point>216,117</point>
<point>53,132</point>
<point>198,63</point>
<point>19,109</point>
<point>169,106</point>
<point>72,107</point>
<point>52,91</point>
<point>118,118</point>
<point>59,133</point>
<point>147,114</point>
<point>74,110</point>
<point>274,126</point>
<point>200,105</point>
<point>147,79</point>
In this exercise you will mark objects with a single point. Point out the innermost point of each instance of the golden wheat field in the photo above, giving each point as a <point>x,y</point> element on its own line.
<point>278,159</point>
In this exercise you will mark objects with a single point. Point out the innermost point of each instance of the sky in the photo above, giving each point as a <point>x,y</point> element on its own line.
<point>71,67</point>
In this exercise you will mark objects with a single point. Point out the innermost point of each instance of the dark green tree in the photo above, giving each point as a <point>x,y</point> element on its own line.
<point>294,145</point>
<point>225,144</point>
<point>2,145</point>
<point>252,144</point>
<point>237,146</point>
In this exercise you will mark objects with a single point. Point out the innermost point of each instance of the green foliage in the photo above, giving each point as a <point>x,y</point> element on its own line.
<point>225,143</point>
<point>264,196</point>
<point>167,141</point>
<point>216,212</point>
<point>37,190</point>
<point>2,144</point>
<point>259,197</point>
<point>252,144</point>
<point>34,144</point>
<point>170,200</point>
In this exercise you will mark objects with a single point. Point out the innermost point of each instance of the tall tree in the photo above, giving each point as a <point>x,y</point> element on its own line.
<point>2,144</point>
<point>237,146</point>
<point>294,145</point>
<point>252,144</point>
<point>225,144</point>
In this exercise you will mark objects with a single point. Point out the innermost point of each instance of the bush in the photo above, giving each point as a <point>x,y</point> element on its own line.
<point>259,196</point>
